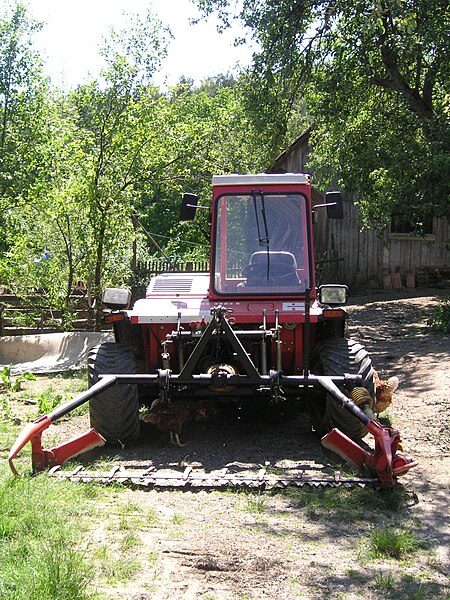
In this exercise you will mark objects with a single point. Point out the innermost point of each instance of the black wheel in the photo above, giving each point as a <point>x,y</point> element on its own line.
<point>336,357</point>
<point>115,412</point>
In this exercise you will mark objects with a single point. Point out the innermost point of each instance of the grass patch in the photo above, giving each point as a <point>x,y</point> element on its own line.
<point>356,504</point>
<point>116,568</point>
<point>41,527</point>
<point>390,585</point>
<point>151,517</point>
<point>384,582</point>
<point>130,541</point>
<point>177,519</point>
<point>440,316</point>
<point>389,542</point>
<point>255,503</point>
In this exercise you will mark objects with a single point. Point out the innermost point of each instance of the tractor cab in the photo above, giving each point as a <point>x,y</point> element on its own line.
<point>260,233</point>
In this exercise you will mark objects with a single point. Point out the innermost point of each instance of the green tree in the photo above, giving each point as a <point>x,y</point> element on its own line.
<point>78,211</point>
<point>23,92</point>
<point>116,119</point>
<point>114,148</point>
<point>369,70</point>
<point>46,235</point>
<point>208,132</point>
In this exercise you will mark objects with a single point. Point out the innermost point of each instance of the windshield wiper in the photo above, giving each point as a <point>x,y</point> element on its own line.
<point>263,241</point>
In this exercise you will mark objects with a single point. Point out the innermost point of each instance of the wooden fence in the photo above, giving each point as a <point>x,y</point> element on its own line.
<point>325,269</point>
<point>146,269</point>
<point>29,315</point>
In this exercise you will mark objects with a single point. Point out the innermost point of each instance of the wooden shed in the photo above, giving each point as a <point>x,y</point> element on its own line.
<point>392,259</point>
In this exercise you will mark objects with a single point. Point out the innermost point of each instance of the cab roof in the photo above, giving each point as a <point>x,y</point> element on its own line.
<point>261,178</point>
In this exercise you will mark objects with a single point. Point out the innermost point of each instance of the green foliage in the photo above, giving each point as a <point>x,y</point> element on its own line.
<point>22,90</point>
<point>255,503</point>
<point>104,152</point>
<point>10,385</point>
<point>208,133</point>
<point>374,80</point>
<point>440,316</point>
<point>46,403</point>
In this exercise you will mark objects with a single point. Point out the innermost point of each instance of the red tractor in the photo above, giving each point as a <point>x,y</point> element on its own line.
<point>254,328</point>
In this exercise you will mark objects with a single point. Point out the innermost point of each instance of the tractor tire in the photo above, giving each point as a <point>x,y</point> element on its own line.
<point>336,357</point>
<point>114,413</point>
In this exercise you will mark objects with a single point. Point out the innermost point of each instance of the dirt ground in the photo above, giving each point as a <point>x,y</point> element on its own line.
<point>225,545</point>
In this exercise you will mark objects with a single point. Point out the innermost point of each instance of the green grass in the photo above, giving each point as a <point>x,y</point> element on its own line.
<point>394,585</point>
<point>354,504</point>
<point>385,582</point>
<point>41,527</point>
<point>177,519</point>
<point>115,567</point>
<point>389,542</point>
<point>255,503</point>
<point>46,550</point>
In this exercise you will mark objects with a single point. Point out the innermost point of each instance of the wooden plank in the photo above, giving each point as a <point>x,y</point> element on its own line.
<point>374,257</point>
<point>410,280</point>
<point>415,257</point>
<point>387,282</point>
<point>441,228</point>
<point>396,281</point>
<point>363,257</point>
<point>352,242</point>
<point>394,256</point>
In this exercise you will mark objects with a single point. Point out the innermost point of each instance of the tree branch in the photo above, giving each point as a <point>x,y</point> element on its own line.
<point>397,82</point>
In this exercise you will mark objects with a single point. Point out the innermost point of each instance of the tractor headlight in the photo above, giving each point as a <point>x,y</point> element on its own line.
<point>116,298</point>
<point>333,294</point>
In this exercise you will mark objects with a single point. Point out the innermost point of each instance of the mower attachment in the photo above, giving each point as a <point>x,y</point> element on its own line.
<point>386,461</point>
<point>32,432</point>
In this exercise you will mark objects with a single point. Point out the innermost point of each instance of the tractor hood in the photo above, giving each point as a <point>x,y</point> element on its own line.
<point>171,294</point>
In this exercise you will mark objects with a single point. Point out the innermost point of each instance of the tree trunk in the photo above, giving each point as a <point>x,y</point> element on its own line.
<point>98,275</point>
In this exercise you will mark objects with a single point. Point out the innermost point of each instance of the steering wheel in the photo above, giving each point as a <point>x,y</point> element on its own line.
<point>279,274</point>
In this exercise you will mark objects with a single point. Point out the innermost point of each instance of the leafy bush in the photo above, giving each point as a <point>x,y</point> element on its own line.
<point>440,316</point>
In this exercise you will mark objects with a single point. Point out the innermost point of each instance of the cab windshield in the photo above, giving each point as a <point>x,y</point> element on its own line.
<point>259,245</point>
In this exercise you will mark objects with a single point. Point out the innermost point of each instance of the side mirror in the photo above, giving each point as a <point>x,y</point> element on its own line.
<point>333,202</point>
<point>188,207</point>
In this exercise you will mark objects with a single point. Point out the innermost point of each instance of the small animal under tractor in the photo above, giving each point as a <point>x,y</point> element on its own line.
<point>255,328</point>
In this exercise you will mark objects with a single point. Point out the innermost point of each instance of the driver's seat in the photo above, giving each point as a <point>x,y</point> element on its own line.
<point>282,269</point>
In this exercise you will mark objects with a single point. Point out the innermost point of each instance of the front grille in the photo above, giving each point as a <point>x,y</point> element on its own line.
<point>163,285</point>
